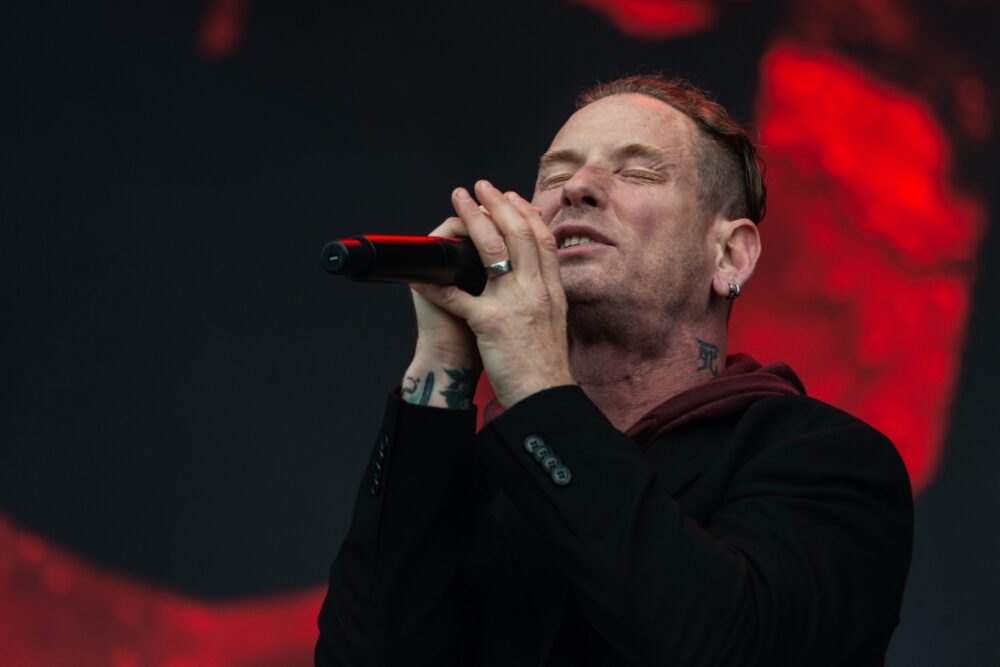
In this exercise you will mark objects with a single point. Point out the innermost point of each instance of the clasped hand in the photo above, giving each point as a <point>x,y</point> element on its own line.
<point>519,321</point>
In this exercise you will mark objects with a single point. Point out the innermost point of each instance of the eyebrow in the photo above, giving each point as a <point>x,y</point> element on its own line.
<point>631,150</point>
<point>645,150</point>
<point>558,157</point>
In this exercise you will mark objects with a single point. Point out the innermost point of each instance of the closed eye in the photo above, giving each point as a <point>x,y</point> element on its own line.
<point>554,180</point>
<point>642,174</point>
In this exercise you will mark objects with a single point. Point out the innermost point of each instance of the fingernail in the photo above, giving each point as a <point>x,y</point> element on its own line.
<point>462,193</point>
<point>512,196</point>
<point>487,186</point>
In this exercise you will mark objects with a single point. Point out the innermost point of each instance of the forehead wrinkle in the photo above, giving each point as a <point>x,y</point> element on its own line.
<point>647,151</point>
<point>653,153</point>
<point>659,133</point>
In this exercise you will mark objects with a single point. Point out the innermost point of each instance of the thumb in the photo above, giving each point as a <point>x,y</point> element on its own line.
<point>452,299</point>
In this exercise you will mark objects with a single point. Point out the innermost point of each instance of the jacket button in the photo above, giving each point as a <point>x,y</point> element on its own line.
<point>560,475</point>
<point>542,452</point>
<point>532,443</point>
<point>550,463</point>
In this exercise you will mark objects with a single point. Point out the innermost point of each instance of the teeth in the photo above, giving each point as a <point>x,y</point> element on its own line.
<point>571,241</point>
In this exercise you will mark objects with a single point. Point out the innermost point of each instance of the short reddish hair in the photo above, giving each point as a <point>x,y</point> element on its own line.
<point>731,179</point>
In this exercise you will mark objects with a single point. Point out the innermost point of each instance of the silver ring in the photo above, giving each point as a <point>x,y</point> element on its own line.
<point>498,269</point>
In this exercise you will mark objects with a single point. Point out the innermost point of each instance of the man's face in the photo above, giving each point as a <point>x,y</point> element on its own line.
<point>623,170</point>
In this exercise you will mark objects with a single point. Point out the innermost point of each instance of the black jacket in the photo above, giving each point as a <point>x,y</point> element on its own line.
<point>780,535</point>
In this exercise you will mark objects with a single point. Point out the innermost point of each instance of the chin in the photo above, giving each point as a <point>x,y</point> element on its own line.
<point>582,290</point>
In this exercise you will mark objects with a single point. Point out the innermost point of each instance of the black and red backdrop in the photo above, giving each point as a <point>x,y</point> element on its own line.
<point>188,399</point>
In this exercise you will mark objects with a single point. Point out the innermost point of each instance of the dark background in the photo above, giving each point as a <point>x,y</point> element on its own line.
<point>188,399</point>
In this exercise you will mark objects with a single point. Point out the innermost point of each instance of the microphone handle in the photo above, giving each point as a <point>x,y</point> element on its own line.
<point>407,259</point>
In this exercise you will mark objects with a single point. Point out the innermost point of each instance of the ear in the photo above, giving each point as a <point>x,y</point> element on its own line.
<point>737,246</point>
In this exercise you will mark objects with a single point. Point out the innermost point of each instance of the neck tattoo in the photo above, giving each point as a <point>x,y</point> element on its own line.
<point>708,354</point>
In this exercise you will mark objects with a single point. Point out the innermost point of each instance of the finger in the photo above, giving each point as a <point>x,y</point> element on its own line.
<point>453,226</point>
<point>548,250</point>
<point>484,233</point>
<point>517,232</point>
<point>449,297</point>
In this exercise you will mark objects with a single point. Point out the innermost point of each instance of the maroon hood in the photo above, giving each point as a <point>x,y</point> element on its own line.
<point>744,381</point>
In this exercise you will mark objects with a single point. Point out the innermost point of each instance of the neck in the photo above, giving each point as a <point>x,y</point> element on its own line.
<point>626,372</point>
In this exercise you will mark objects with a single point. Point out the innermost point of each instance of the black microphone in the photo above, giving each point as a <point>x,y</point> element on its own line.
<point>407,259</point>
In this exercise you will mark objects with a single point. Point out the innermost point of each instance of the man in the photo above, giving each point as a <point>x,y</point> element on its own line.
<point>642,499</point>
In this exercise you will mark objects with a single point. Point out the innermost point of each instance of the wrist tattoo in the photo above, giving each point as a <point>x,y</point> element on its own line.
<point>409,392</point>
<point>410,387</point>
<point>708,353</point>
<point>458,394</point>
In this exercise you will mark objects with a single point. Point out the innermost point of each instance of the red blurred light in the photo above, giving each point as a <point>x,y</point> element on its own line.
<point>222,26</point>
<point>60,610</point>
<point>656,19</point>
<point>868,249</point>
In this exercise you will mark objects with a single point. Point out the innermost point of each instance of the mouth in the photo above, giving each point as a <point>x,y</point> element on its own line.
<point>579,236</point>
<point>577,240</point>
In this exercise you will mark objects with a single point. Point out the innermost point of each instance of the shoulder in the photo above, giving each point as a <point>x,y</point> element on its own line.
<point>802,413</point>
<point>789,417</point>
<point>809,434</point>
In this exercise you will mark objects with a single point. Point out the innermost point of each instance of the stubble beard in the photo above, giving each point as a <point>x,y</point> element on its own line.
<point>600,314</point>
<point>603,310</point>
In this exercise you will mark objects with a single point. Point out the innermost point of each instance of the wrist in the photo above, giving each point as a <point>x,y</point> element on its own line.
<point>510,397</point>
<point>434,359</point>
<point>440,383</point>
<point>455,355</point>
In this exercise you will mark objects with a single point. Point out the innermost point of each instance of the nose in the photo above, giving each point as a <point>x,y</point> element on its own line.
<point>586,189</point>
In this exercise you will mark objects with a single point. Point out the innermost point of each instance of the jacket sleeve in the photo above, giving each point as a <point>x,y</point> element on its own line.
<point>394,596</point>
<point>802,558</point>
